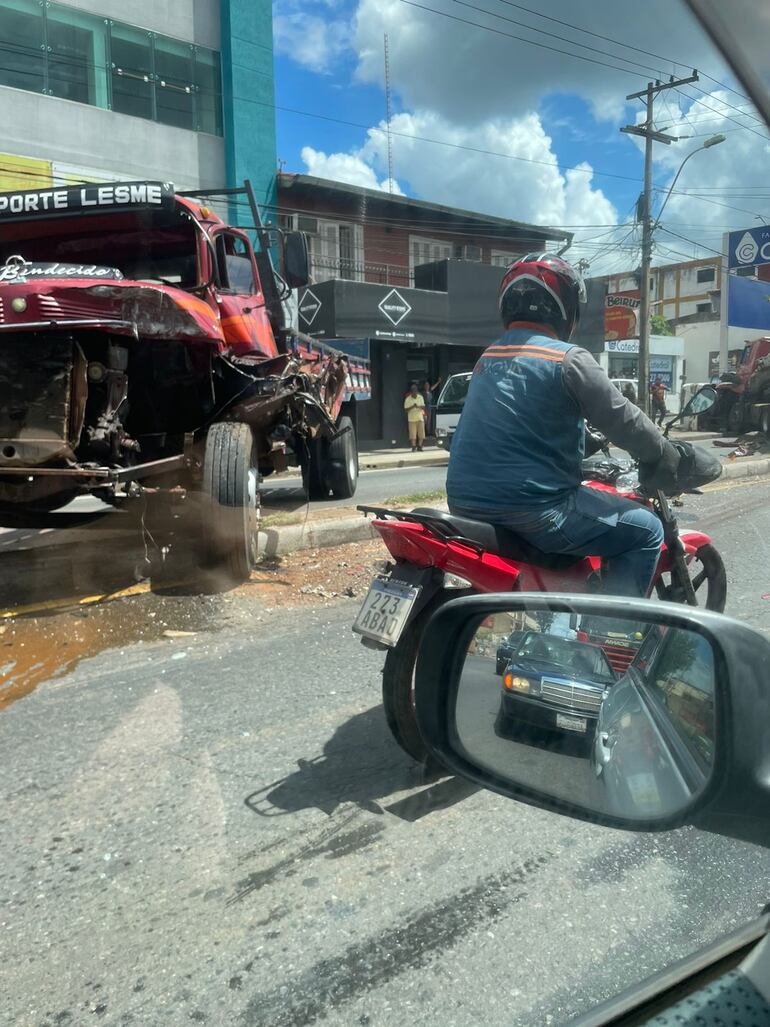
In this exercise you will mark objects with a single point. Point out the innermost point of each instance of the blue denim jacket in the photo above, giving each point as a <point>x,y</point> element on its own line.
<point>520,440</point>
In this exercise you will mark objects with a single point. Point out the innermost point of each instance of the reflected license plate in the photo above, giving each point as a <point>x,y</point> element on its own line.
<point>568,723</point>
<point>385,611</point>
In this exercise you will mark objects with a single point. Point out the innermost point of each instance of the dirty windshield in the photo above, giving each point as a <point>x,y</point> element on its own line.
<point>263,264</point>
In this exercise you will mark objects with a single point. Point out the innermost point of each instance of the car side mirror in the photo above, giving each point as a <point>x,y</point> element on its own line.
<point>296,260</point>
<point>630,714</point>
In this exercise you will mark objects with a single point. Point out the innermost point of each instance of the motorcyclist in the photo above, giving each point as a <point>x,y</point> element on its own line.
<point>517,452</point>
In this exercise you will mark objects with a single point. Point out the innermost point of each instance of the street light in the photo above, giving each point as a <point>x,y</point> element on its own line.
<point>648,227</point>
<point>712,141</point>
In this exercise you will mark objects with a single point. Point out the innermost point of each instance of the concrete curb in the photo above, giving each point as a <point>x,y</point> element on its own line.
<point>314,535</point>
<point>338,531</point>
<point>418,460</point>
<point>741,468</point>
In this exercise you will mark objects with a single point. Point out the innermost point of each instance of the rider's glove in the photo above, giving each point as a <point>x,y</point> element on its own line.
<point>662,474</point>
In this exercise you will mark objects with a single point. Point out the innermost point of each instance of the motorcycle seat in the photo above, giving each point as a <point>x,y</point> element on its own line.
<point>501,541</point>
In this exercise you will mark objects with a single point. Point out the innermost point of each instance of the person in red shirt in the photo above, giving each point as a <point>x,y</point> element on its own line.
<point>658,393</point>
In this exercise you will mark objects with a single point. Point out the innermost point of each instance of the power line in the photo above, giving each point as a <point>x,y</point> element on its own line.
<point>618,42</point>
<point>551,35</point>
<point>509,35</point>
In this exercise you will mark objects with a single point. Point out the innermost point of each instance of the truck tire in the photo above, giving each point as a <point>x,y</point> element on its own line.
<point>341,458</point>
<point>231,486</point>
<point>313,470</point>
<point>765,423</point>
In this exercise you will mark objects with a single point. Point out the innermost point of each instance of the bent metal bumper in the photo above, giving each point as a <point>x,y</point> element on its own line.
<point>112,475</point>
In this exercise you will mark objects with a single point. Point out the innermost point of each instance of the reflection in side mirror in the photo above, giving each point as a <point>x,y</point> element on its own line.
<point>703,400</point>
<point>615,715</point>
<point>296,260</point>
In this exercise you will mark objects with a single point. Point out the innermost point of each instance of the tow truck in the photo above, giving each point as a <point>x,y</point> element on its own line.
<point>146,353</point>
<point>743,395</point>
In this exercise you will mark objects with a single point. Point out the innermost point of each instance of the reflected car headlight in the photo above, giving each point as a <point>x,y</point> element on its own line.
<point>514,683</point>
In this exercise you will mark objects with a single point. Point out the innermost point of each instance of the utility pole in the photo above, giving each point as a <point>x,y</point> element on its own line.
<point>388,111</point>
<point>649,135</point>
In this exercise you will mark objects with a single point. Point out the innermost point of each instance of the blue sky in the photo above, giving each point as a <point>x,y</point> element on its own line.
<point>495,86</point>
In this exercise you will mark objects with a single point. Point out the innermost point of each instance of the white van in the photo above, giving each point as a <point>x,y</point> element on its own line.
<point>450,405</point>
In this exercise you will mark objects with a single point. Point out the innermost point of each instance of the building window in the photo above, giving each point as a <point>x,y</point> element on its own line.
<point>173,83</point>
<point>425,251</point>
<point>746,272</point>
<point>51,48</point>
<point>706,274</point>
<point>133,91</point>
<point>704,308</point>
<point>499,258</point>
<point>336,249</point>
<point>23,54</point>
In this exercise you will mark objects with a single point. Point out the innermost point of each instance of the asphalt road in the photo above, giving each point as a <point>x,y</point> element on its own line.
<point>219,829</point>
<point>373,487</point>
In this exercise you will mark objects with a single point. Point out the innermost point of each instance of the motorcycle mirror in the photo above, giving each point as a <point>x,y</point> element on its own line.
<point>702,400</point>
<point>628,714</point>
<point>699,403</point>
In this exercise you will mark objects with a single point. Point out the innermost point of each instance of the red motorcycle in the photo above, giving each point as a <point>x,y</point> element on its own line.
<point>439,556</point>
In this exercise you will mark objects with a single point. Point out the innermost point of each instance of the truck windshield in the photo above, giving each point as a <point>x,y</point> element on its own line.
<point>455,390</point>
<point>144,246</point>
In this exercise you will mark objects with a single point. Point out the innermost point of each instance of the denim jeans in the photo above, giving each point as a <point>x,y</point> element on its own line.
<point>592,523</point>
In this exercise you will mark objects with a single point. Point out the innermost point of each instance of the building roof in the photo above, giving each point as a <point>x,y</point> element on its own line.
<point>422,213</point>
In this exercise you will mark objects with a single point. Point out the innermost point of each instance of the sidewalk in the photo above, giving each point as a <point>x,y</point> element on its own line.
<point>326,527</point>
<point>437,456</point>
<point>387,459</point>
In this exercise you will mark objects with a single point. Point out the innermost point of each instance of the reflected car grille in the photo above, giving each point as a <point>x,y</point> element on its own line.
<point>585,698</point>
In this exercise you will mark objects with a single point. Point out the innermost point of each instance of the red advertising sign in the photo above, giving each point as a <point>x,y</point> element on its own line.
<point>620,315</point>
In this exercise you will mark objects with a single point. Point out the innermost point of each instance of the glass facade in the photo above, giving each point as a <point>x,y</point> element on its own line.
<point>53,49</point>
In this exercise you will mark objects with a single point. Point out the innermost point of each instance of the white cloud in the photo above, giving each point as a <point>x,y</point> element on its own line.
<point>350,168</point>
<point>466,73</point>
<point>311,32</point>
<point>471,179</point>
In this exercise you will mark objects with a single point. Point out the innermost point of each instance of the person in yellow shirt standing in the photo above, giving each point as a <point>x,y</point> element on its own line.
<point>414,405</point>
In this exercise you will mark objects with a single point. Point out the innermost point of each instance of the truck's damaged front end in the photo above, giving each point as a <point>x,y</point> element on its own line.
<point>118,347</point>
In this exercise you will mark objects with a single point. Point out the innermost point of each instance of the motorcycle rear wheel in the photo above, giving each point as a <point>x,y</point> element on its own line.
<point>398,679</point>
<point>706,569</point>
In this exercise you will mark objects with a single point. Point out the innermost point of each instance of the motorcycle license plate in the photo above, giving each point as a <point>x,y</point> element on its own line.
<point>567,723</point>
<point>385,611</point>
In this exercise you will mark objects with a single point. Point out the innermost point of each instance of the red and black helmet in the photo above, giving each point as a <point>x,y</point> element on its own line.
<point>545,289</point>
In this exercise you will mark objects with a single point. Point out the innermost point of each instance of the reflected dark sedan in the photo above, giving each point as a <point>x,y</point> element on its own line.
<point>555,683</point>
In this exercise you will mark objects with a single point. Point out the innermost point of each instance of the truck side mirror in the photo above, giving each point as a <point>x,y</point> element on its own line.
<point>296,260</point>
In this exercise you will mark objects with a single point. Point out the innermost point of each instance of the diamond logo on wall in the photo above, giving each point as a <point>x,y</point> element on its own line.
<point>309,306</point>
<point>394,307</point>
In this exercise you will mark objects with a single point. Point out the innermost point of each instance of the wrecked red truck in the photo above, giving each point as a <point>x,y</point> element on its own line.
<point>146,353</point>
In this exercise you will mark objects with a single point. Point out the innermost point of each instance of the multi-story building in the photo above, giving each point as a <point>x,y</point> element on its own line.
<point>411,284</point>
<point>676,290</point>
<point>688,296</point>
<point>101,89</point>
<point>364,235</point>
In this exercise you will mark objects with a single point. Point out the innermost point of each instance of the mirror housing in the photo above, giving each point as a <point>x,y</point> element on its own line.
<point>703,400</point>
<point>736,800</point>
<point>296,260</point>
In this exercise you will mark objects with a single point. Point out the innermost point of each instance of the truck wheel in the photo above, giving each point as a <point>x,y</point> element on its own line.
<point>735,418</point>
<point>765,423</point>
<point>313,470</point>
<point>231,482</point>
<point>341,458</point>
